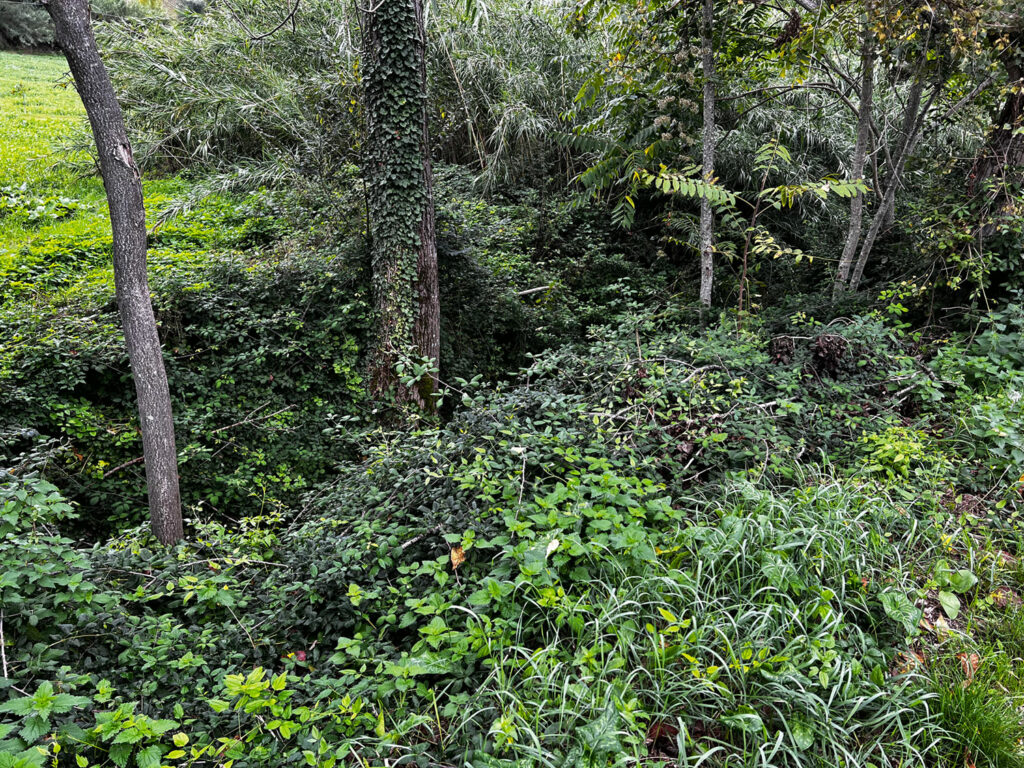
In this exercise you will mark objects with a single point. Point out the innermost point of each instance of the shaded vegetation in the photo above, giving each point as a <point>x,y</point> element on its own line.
<point>785,532</point>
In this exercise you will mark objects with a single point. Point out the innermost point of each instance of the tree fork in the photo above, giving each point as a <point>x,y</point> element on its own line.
<point>123,186</point>
<point>864,117</point>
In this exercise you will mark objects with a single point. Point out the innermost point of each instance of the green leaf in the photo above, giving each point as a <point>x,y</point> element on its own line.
<point>962,580</point>
<point>950,604</point>
<point>120,753</point>
<point>802,732</point>
<point>148,757</point>
<point>899,608</point>
<point>744,719</point>
<point>129,736</point>
<point>64,702</point>
<point>35,727</point>
<point>19,707</point>
<point>600,734</point>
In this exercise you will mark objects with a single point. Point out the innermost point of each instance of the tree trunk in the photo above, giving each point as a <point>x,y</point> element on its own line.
<point>1002,157</point>
<point>913,120</point>
<point>400,201</point>
<point>128,224</point>
<point>867,87</point>
<point>707,221</point>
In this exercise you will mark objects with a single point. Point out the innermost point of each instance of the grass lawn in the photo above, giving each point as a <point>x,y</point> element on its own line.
<point>39,110</point>
<point>54,226</point>
<point>41,196</point>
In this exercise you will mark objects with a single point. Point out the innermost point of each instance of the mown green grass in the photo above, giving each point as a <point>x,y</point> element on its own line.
<point>38,106</point>
<point>39,113</point>
<point>42,128</point>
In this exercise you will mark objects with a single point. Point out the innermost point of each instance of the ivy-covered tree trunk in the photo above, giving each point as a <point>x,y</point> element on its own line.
<point>707,217</point>
<point>128,224</point>
<point>400,200</point>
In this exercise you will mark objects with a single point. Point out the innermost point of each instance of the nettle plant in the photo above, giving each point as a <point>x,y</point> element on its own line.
<point>42,581</point>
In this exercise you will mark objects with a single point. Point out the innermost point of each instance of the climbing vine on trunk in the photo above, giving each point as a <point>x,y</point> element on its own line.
<point>400,205</point>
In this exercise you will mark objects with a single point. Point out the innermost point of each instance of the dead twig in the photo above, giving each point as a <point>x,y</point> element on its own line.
<point>119,467</point>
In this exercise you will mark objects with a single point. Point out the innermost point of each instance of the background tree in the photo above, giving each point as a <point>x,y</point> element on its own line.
<point>710,137</point>
<point>123,185</point>
<point>864,123</point>
<point>1001,158</point>
<point>400,204</point>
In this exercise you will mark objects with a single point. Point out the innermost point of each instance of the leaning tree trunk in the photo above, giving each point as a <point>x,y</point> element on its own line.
<point>400,202</point>
<point>707,220</point>
<point>867,86</point>
<point>913,121</point>
<point>128,223</point>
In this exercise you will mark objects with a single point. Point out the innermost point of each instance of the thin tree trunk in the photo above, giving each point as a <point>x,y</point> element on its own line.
<point>128,224</point>
<point>707,220</point>
<point>400,202</point>
<point>913,120</point>
<point>867,87</point>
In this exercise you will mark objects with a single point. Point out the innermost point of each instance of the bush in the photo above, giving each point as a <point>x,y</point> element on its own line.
<point>24,24</point>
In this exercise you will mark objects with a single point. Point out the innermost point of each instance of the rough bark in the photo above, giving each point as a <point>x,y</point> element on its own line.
<point>427,333</point>
<point>400,200</point>
<point>1002,157</point>
<point>867,87</point>
<point>128,224</point>
<point>913,119</point>
<point>707,220</point>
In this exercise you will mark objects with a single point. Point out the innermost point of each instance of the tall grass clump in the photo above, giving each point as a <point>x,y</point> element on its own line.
<point>757,638</point>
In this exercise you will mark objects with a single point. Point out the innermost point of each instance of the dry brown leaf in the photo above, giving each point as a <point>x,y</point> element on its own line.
<point>458,555</point>
<point>969,664</point>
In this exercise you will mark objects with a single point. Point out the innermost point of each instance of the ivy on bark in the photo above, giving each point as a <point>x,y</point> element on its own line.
<point>400,203</point>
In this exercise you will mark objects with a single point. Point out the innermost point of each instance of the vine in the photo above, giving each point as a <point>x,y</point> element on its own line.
<point>398,193</point>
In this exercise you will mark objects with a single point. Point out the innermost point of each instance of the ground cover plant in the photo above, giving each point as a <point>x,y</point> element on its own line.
<point>630,528</point>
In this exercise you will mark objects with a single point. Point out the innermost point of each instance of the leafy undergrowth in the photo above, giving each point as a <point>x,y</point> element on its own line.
<point>629,556</point>
<point>776,543</point>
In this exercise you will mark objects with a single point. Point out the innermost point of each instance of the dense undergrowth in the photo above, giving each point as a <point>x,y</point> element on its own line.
<point>633,538</point>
